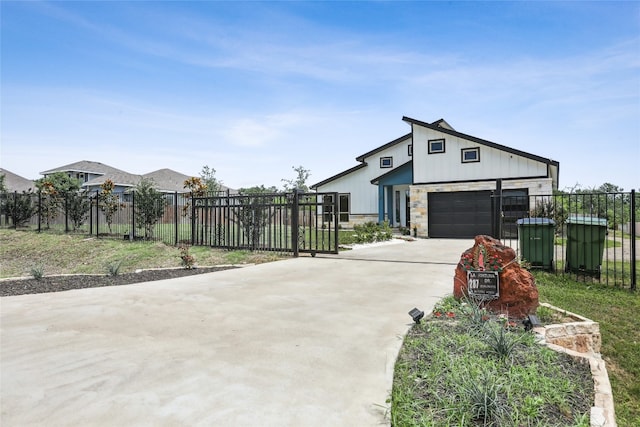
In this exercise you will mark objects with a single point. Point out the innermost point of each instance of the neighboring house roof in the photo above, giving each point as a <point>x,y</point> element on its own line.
<point>15,182</point>
<point>167,180</point>
<point>85,166</point>
<point>446,130</point>
<point>119,179</point>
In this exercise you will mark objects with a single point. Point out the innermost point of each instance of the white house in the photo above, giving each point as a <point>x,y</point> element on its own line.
<point>439,182</point>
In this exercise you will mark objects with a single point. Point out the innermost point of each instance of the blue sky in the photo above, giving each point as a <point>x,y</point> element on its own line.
<point>253,89</point>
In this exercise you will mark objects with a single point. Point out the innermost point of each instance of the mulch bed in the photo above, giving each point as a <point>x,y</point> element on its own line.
<point>65,283</point>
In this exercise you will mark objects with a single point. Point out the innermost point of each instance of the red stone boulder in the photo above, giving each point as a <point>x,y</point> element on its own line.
<point>518,292</point>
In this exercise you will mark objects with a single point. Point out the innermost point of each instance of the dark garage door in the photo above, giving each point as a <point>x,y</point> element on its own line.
<point>462,214</point>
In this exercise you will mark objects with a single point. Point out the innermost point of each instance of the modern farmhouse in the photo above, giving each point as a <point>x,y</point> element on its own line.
<point>439,182</point>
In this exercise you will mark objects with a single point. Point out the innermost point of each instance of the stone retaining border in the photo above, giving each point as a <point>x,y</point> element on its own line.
<point>581,341</point>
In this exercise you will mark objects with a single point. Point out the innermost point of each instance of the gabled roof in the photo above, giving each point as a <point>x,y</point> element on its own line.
<point>85,166</point>
<point>394,171</point>
<point>15,182</point>
<point>442,123</point>
<point>167,180</point>
<point>481,141</point>
<point>120,179</point>
<point>384,147</point>
<point>340,175</point>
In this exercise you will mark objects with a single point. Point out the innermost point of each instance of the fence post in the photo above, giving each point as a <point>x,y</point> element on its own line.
<point>66,212</point>
<point>132,235</point>
<point>193,219</point>
<point>39,211</point>
<point>295,222</point>
<point>175,215</point>
<point>634,271</point>
<point>497,211</point>
<point>90,214</point>
<point>97,213</point>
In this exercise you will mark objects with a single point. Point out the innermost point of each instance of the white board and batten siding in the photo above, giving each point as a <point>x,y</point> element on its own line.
<point>364,194</point>
<point>448,166</point>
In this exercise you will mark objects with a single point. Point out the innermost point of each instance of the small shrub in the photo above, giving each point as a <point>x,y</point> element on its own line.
<point>19,207</point>
<point>473,312</point>
<point>113,268</point>
<point>501,341</point>
<point>404,231</point>
<point>483,394</point>
<point>187,260</point>
<point>37,271</point>
<point>371,232</point>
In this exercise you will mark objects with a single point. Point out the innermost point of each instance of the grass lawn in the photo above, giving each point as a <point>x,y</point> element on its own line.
<point>618,312</point>
<point>21,251</point>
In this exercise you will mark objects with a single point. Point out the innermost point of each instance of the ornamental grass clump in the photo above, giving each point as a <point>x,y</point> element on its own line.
<point>113,268</point>
<point>501,340</point>
<point>37,271</point>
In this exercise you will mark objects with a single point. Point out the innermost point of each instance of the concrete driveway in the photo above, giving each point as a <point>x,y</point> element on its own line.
<point>300,342</point>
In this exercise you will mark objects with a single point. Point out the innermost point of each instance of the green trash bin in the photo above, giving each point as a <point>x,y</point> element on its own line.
<point>585,244</point>
<point>535,240</point>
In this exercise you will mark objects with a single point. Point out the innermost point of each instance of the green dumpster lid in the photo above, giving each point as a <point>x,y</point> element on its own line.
<point>535,221</point>
<point>586,220</point>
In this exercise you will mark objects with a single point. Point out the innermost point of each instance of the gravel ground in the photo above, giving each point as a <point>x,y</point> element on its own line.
<point>11,287</point>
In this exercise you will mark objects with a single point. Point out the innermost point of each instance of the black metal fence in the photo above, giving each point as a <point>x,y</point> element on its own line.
<point>590,236</point>
<point>282,222</point>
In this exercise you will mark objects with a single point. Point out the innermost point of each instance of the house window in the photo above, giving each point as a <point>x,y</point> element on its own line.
<point>436,146</point>
<point>410,150</point>
<point>386,162</point>
<point>343,208</point>
<point>470,155</point>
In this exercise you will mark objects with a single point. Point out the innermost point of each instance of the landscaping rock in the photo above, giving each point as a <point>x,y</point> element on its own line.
<point>517,288</point>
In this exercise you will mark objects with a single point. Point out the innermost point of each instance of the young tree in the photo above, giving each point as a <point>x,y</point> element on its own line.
<point>299,182</point>
<point>149,204</point>
<point>197,188</point>
<point>53,190</point>
<point>109,201</point>
<point>19,207</point>
<point>60,181</point>
<point>209,180</point>
<point>254,213</point>
<point>78,207</point>
<point>3,186</point>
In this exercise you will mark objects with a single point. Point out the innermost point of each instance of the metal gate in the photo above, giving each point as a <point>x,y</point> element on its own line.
<point>281,222</point>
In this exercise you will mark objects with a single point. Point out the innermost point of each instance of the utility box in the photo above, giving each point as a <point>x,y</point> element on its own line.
<point>536,240</point>
<point>585,244</point>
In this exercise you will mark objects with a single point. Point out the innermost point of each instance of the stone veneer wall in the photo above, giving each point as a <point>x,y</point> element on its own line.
<point>419,196</point>
<point>358,219</point>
